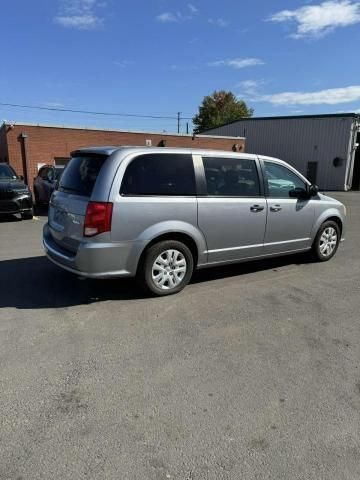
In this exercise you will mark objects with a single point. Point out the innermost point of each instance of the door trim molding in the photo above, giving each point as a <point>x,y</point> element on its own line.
<point>258,245</point>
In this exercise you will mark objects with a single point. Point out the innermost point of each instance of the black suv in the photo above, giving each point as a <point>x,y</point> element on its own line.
<point>15,196</point>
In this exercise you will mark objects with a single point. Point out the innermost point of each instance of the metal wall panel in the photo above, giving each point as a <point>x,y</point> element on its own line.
<point>299,141</point>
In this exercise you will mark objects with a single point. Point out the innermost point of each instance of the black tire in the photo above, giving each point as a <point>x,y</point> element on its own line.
<point>39,206</point>
<point>28,215</point>
<point>317,252</point>
<point>145,271</point>
<point>36,198</point>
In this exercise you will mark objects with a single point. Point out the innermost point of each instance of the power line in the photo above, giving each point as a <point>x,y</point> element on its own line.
<point>87,112</point>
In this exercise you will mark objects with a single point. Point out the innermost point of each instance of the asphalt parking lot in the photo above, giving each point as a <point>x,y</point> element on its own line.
<point>252,372</point>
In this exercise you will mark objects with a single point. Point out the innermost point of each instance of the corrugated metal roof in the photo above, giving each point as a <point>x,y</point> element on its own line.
<point>287,117</point>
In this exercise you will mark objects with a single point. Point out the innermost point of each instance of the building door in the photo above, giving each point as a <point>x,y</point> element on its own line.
<point>311,172</point>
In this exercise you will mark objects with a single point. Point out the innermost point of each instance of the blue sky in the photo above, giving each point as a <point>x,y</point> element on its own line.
<point>158,57</point>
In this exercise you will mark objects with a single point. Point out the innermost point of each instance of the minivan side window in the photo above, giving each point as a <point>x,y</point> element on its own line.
<point>231,177</point>
<point>281,181</point>
<point>160,174</point>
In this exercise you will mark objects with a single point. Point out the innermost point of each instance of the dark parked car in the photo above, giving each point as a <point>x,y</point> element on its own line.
<point>15,196</point>
<point>45,182</point>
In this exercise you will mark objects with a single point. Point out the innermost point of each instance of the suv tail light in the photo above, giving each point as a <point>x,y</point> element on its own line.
<point>98,218</point>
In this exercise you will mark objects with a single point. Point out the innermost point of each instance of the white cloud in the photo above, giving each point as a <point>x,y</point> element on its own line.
<point>192,8</point>
<point>331,96</point>
<point>81,22</point>
<point>250,86</point>
<point>167,17</point>
<point>123,63</point>
<point>80,14</point>
<point>318,20</point>
<point>237,63</point>
<point>170,17</point>
<point>183,68</point>
<point>218,22</point>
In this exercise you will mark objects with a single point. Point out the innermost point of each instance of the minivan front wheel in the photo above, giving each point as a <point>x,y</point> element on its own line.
<point>327,241</point>
<point>166,268</point>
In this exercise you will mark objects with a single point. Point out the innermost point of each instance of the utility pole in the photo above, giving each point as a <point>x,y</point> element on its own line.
<point>187,128</point>
<point>178,121</point>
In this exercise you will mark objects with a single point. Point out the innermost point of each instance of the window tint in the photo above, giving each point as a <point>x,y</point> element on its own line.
<point>231,177</point>
<point>43,172</point>
<point>160,174</point>
<point>58,172</point>
<point>281,181</point>
<point>50,175</point>
<point>7,172</point>
<point>80,174</point>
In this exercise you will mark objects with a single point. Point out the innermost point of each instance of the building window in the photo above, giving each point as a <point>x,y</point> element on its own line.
<point>61,162</point>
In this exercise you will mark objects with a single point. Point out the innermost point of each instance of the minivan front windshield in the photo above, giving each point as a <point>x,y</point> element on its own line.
<point>80,174</point>
<point>7,173</point>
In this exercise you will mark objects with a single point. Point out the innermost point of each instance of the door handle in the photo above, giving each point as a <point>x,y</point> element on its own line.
<point>257,208</point>
<point>275,208</point>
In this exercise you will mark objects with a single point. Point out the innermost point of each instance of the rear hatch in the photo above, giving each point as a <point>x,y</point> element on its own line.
<point>70,200</point>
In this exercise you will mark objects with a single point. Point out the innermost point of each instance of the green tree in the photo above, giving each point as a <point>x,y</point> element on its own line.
<point>219,108</point>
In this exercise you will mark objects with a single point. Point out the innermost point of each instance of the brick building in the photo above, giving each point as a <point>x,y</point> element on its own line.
<point>26,147</point>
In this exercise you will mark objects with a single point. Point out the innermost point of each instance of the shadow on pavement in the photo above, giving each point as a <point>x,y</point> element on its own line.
<point>41,210</point>
<point>9,218</point>
<point>246,268</point>
<point>35,283</point>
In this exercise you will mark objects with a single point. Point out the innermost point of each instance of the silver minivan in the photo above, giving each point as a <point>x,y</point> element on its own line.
<point>159,213</point>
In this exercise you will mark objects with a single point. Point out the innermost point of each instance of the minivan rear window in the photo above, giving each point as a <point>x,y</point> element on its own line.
<point>80,174</point>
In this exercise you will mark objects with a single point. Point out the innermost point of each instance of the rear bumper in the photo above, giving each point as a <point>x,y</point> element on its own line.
<point>92,260</point>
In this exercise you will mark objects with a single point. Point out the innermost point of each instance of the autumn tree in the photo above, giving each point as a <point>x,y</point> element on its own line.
<point>219,108</point>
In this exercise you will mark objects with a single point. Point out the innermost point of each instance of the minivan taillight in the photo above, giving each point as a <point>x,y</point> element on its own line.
<point>98,218</point>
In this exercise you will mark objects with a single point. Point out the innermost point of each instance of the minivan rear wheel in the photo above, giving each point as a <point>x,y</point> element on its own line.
<point>326,241</point>
<point>166,268</point>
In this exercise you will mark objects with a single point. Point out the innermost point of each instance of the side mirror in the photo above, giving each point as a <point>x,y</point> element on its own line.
<point>313,190</point>
<point>298,193</point>
<point>21,177</point>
